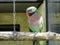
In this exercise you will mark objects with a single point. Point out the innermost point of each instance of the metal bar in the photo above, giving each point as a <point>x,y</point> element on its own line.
<point>14,20</point>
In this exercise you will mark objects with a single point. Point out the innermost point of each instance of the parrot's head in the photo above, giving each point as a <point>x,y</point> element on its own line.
<point>31,10</point>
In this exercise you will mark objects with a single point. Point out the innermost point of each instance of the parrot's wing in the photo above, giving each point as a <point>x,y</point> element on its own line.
<point>41,20</point>
<point>41,23</point>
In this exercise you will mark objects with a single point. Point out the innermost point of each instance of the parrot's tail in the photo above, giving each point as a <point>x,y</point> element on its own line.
<point>35,42</point>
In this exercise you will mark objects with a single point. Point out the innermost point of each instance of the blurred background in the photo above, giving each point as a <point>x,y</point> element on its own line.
<point>53,9</point>
<point>6,18</point>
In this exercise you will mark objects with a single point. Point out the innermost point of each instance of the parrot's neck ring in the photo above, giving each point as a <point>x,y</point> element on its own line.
<point>31,14</point>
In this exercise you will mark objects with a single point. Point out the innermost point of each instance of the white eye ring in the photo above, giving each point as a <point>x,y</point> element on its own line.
<point>31,9</point>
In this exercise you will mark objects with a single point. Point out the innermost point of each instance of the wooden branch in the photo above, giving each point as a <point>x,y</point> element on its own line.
<point>29,36</point>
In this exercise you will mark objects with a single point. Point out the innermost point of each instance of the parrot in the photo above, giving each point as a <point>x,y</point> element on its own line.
<point>35,21</point>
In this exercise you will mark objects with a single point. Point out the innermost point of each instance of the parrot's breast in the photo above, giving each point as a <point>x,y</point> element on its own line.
<point>34,19</point>
<point>35,22</point>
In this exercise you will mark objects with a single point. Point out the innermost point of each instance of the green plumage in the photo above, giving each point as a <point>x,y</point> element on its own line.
<point>34,28</point>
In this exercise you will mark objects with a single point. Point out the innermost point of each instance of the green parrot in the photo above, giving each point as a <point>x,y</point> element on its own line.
<point>35,21</point>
